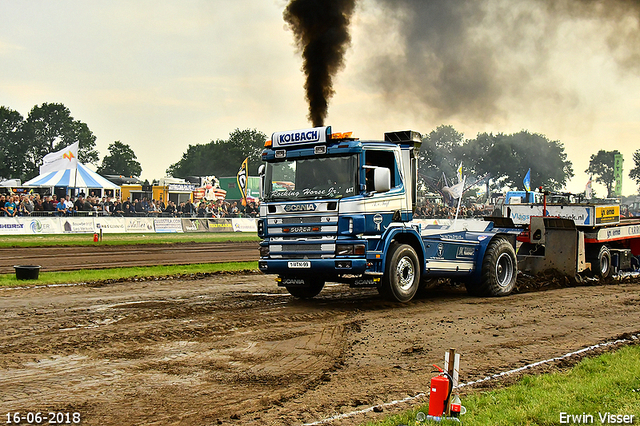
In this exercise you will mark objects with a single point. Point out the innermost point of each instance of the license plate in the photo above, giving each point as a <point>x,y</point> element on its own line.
<point>304,264</point>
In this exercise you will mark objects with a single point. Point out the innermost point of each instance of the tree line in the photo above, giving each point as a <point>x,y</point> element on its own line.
<point>49,128</point>
<point>500,159</point>
<point>505,160</point>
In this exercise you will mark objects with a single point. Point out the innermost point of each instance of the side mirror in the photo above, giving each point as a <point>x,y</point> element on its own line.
<point>381,179</point>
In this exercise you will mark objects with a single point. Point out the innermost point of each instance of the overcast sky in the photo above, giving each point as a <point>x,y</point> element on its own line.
<point>162,75</point>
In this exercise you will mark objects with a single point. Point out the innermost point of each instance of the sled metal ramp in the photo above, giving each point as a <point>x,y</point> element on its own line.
<point>555,244</point>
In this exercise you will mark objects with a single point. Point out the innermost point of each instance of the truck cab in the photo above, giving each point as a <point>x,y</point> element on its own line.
<point>335,208</point>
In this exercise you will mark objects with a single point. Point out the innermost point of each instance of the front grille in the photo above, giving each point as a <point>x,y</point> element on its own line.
<point>302,247</point>
<point>294,220</point>
<point>309,251</point>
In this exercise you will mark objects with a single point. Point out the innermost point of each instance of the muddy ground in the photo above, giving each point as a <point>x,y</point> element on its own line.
<point>71,258</point>
<point>237,350</point>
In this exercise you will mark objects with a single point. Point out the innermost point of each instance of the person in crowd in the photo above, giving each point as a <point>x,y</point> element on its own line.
<point>145,205</point>
<point>179,209</point>
<point>78,204</point>
<point>48,205</point>
<point>89,204</point>
<point>118,208</point>
<point>171,208</point>
<point>61,208</point>
<point>188,208</point>
<point>68,204</point>
<point>154,209</point>
<point>234,211</point>
<point>132,209</point>
<point>10,207</point>
<point>202,209</point>
<point>107,206</point>
<point>126,207</point>
<point>137,207</point>
<point>22,206</point>
<point>37,204</point>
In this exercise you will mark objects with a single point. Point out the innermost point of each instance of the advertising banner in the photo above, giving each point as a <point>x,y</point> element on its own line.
<point>111,225</point>
<point>617,174</point>
<point>220,225</point>
<point>12,226</point>
<point>42,225</point>
<point>244,225</point>
<point>78,225</point>
<point>139,224</point>
<point>608,214</point>
<point>168,224</point>
<point>195,225</point>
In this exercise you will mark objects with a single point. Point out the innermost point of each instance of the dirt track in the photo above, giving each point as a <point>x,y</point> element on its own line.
<point>99,256</point>
<point>238,350</point>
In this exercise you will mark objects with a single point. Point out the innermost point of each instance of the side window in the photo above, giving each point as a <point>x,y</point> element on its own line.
<point>379,159</point>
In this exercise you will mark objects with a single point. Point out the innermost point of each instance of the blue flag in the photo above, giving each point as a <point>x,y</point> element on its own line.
<point>527,181</point>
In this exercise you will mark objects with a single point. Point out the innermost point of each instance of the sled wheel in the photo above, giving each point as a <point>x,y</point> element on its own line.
<point>402,275</point>
<point>310,289</point>
<point>601,263</point>
<point>499,269</point>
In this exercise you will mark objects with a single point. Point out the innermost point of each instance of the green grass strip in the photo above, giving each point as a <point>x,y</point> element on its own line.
<point>595,388</point>
<point>93,275</point>
<point>122,239</point>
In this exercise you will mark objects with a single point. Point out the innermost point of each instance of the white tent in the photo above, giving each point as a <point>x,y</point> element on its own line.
<point>81,178</point>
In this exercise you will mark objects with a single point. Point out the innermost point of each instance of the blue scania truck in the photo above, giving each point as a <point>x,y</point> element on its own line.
<point>339,209</point>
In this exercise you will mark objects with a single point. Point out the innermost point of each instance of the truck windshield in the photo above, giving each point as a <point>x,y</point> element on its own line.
<point>311,178</point>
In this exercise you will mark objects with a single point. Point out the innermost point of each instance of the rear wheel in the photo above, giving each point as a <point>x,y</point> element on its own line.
<point>402,276</point>
<point>601,262</point>
<point>499,270</point>
<point>310,289</point>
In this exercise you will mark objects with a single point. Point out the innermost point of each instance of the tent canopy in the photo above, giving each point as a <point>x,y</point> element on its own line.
<point>84,178</point>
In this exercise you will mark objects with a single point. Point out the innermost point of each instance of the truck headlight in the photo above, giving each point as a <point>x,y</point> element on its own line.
<point>261,228</point>
<point>264,251</point>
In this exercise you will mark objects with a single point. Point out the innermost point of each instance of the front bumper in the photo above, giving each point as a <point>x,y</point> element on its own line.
<point>328,268</point>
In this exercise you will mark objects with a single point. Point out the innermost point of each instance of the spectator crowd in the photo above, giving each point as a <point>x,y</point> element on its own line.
<point>443,211</point>
<point>50,205</point>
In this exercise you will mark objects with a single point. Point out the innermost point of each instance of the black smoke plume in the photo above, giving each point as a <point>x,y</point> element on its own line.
<point>475,59</point>
<point>321,29</point>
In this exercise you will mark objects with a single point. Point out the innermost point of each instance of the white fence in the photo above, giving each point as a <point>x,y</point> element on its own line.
<point>91,225</point>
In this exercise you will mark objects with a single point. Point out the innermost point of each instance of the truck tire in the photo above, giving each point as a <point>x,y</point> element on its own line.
<point>310,289</point>
<point>402,274</point>
<point>600,262</point>
<point>499,270</point>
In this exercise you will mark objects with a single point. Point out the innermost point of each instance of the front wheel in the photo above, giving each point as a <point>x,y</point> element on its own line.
<point>310,289</point>
<point>402,276</point>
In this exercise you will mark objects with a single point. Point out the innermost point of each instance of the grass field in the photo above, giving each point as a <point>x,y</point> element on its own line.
<point>93,275</point>
<point>122,239</point>
<point>600,390</point>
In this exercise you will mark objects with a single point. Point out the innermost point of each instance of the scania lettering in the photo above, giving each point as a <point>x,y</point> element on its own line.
<point>340,209</point>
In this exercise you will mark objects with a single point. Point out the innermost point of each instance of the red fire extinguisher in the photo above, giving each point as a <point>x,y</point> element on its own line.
<point>441,387</point>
